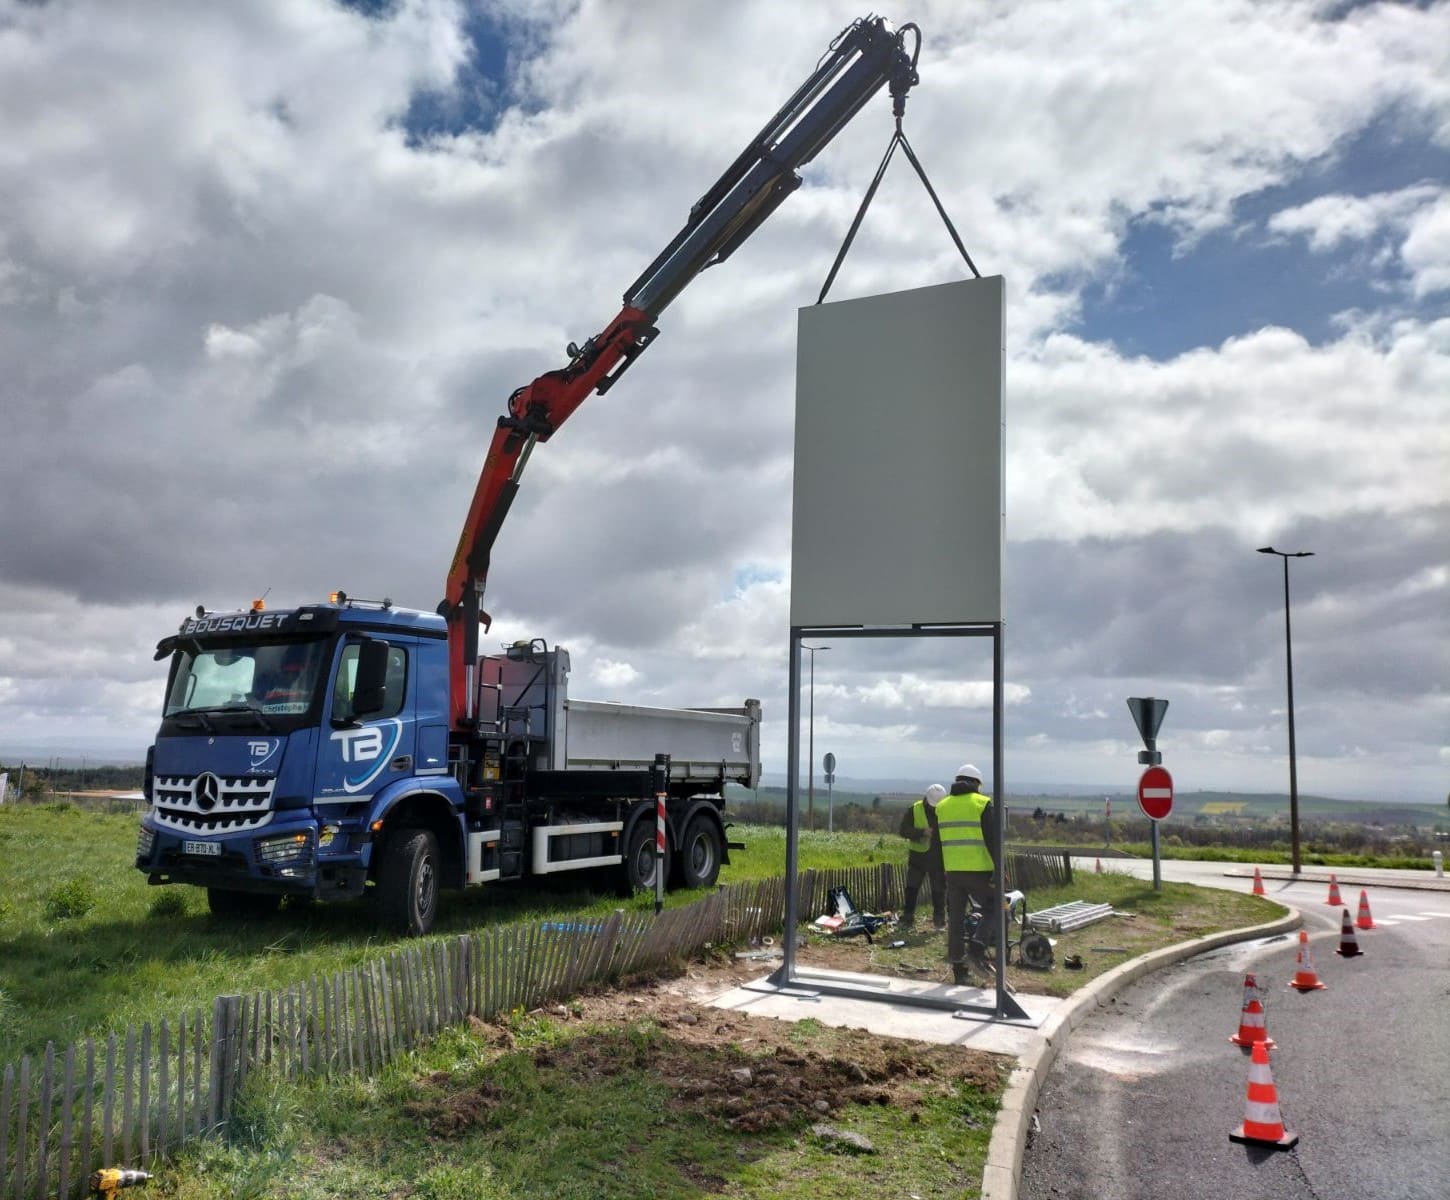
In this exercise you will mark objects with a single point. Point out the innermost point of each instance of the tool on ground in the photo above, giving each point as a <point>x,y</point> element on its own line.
<point>1348,943</point>
<point>1073,962</point>
<point>1262,1125</point>
<point>1364,920</point>
<point>1334,899</point>
<point>1305,980</point>
<point>853,920</point>
<point>109,1180</point>
<point>1252,1030</point>
<point>1034,949</point>
<point>1258,883</point>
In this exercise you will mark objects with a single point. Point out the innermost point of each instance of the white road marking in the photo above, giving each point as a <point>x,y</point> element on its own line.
<point>1406,917</point>
<point>1434,914</point>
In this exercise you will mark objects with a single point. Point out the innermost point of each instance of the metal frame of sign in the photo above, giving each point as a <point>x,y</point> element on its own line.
<point>797,982</point>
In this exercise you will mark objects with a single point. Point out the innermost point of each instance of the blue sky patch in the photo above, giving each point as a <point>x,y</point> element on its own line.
<point>1167,299</point>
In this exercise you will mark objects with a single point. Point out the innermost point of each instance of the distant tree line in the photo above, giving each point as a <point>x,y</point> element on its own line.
<point>29,781</point>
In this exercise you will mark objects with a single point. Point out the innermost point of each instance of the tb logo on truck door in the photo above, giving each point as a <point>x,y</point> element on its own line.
<point>359,756</point>
<point>366,752</point>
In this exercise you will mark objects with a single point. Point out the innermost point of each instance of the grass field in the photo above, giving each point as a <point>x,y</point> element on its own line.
<point>607,1096</point>
<point>88,947</point>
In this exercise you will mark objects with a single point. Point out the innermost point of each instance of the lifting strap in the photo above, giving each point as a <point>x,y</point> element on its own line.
<point>897,139</point>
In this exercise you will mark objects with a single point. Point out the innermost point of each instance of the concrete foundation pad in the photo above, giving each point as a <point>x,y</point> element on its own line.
<point>878,1013</point>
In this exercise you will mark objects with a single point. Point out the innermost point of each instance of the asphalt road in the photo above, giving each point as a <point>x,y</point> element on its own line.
<point>1143,1097</point>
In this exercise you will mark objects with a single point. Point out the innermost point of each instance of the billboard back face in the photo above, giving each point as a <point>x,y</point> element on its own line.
<point>898,493</point>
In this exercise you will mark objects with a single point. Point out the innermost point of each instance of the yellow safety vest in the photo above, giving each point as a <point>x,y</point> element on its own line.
<point>918,822</point>
<point>959,820</point>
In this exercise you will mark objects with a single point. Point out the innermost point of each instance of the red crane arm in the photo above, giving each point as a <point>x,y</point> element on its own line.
<point>867,55</point>
<point>535,412</point>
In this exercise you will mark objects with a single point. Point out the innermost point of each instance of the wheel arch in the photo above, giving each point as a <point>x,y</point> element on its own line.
<point>422,809</point>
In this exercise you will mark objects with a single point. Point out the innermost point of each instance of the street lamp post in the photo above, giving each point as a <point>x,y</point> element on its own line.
<point>1286,555</point>
<point>811,742</point>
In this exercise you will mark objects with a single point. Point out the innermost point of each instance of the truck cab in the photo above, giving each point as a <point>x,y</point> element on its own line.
<point>270,763</point>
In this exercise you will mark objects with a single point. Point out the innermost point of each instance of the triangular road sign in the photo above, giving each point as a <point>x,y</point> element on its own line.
<point>1147,716</point>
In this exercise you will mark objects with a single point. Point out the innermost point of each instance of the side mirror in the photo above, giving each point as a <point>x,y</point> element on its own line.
<point>370,689</point>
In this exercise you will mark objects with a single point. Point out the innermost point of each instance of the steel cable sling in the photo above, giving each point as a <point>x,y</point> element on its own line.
<point>897,139</point>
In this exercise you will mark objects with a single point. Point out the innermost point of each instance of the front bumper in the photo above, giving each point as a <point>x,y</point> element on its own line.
<point>278,862</point>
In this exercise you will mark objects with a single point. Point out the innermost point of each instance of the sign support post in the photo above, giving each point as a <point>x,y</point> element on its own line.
<point>1155,788</point>
<point>829,762</point>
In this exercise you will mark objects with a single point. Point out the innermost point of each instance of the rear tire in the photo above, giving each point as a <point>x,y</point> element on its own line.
<point>408,882</point>
<point>238,906</point>
<point>640,863</point>
<point>701,852</point>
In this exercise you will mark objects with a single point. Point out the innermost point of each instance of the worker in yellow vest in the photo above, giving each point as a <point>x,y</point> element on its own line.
<point>967,821</point>
<point>923,859</point>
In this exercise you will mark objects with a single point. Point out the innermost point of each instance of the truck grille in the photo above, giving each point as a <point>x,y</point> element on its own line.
<point>208,803</point>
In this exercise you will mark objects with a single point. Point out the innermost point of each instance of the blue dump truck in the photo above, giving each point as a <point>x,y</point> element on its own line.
<point>307,753</point>
<point>356,748</point>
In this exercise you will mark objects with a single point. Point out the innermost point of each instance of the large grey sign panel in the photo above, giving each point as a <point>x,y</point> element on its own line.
<point>898,515</point>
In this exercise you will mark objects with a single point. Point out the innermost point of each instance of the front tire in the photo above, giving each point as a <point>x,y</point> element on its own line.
<point>701,852</point>
<point>408,882</point>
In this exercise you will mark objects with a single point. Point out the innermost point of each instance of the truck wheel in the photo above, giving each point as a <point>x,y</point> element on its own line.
<point>640,863</point>
<point>235,906</point>
<point>408,882</point>
<point>701,853</point>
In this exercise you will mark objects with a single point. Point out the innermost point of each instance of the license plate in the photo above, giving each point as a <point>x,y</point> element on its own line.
<point>205,849</point>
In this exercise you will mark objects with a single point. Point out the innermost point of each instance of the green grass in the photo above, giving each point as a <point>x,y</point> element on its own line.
<point>87,947</point>
<point>567,1110</point>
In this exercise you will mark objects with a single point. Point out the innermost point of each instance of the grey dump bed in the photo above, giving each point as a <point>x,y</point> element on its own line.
<point>703,743</point>
<point>529,695</point>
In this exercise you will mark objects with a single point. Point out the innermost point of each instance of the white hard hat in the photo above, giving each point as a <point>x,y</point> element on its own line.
<point>934,794</point>
<point>967,771</point>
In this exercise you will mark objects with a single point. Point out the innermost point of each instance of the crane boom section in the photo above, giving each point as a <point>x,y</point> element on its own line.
<point>866,56</point>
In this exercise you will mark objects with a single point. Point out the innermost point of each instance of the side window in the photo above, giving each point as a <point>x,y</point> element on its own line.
<point>397,684</point>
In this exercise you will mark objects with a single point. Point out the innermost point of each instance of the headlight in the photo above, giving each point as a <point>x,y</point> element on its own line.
<point>288,850</point>
<point>144,841</point>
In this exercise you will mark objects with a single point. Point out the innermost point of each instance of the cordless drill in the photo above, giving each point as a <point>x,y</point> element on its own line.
<point>109,1180</point>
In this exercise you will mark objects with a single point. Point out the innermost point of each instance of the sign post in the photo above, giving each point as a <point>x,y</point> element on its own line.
<point>829,762</point>
<point>1155,798</point>
<point>1155,788</point>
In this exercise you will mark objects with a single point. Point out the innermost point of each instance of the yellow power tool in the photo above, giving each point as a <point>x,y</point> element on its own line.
<point>109,1180</point>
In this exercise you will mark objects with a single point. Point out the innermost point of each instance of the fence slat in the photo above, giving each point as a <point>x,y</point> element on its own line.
<point>144,1093</point>
<point>67,1115</point>
<point>164,1082</point>
<point>22,1145</point>
<point>7,1099</point>
<point>198,1114</point>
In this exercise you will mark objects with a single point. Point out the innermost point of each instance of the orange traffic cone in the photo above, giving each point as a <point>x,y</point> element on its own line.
<point>1334,900</point>
<point>1348,943</point>
<point>1263,1126</point>
<point>1304,978</point>
<point>1099,868</point>
<point>1258,883</point>
<point>1252,1030</point>
<point>1364,920</point>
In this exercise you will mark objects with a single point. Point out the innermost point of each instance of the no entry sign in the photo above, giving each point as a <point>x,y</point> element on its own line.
<point>1155,793</point>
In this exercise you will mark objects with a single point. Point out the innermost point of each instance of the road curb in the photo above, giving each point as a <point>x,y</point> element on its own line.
<point>1002,1175</point>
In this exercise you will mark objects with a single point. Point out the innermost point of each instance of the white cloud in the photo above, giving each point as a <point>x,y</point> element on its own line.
<point>1328,221</point>
<point>250,337</point>
<point>1426,249</point>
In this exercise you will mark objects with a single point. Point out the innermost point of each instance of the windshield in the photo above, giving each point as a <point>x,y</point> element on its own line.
<point>265,677</point>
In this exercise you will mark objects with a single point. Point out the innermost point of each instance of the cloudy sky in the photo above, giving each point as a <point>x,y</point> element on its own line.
<point>269,271</point>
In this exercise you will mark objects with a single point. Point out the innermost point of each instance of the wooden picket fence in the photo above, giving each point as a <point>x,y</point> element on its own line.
<point>133,1099</point>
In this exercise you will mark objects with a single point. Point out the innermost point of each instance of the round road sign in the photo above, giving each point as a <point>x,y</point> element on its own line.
<point>1155,793</point>
<point>829,762</point>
